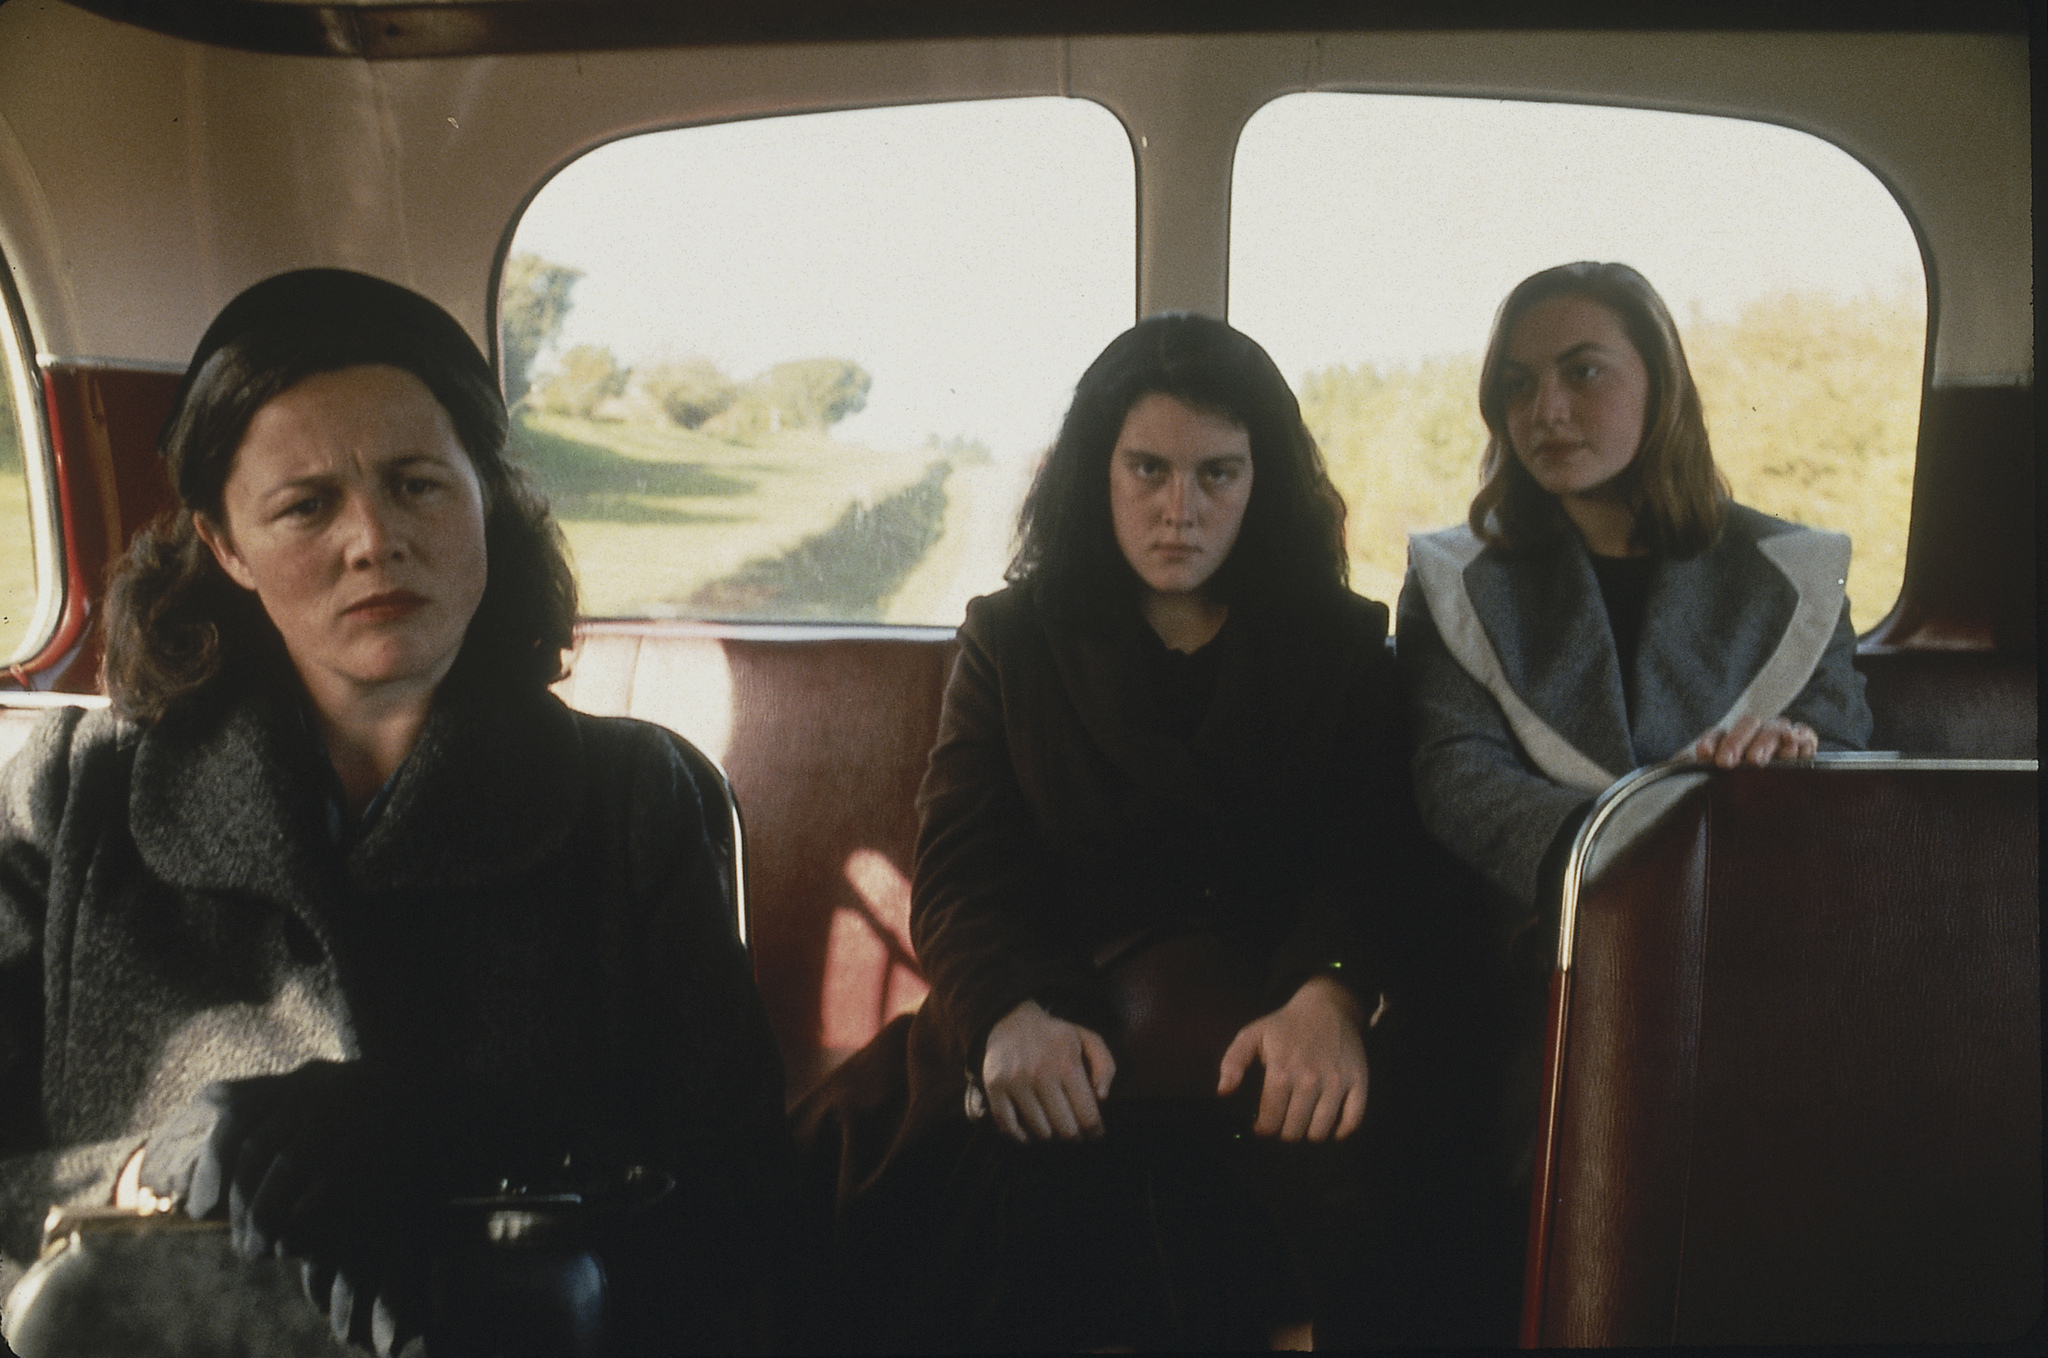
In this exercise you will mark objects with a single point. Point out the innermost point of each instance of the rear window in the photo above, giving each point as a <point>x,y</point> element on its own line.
<point>1373,236</point>
<point>801,368</point>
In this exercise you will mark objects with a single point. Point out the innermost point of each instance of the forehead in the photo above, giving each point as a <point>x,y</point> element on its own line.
<point>1169,427</point>
<point>1557,325</point>
<point>371,411</point>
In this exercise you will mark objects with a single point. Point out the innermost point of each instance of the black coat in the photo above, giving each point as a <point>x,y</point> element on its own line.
<point>536,918</point>
<point>1060,812</point>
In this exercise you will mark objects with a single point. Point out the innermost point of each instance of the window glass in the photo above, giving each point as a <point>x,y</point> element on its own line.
<point>18,535</point>
<point>800,368</point>
<point>1372,237</point>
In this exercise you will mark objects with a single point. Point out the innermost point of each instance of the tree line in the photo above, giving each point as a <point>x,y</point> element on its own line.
<point>1812,404</point>
<point>588,380</point>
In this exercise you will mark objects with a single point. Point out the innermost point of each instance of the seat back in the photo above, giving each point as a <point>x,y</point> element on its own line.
<point>722,822</point>
<point>1793,1090</point>
<point>825,733</point>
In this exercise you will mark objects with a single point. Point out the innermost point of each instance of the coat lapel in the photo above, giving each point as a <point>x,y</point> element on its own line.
<point>1269,675</point>
<point>1730,593</point>
<point>491,789</point>
<point>229,801</point>
<point>1541,611</point>
<point>1103,674</point>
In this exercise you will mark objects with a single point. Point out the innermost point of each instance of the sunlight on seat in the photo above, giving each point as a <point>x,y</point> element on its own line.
<point>870,973</point>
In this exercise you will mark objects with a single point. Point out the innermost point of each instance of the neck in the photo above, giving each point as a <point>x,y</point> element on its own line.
<point>369,735</point>
<point>1185,622</point>
<point>1606,526</point>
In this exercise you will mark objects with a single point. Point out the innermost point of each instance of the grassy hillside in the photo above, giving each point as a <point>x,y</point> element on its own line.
<point>669,522</point>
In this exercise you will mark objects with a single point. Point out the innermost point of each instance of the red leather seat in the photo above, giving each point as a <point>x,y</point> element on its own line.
<point>1794,1083</point>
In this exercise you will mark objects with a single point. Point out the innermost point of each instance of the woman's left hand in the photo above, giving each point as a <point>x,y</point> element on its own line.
<point>1757,741</point>
<point>1314,1057</point>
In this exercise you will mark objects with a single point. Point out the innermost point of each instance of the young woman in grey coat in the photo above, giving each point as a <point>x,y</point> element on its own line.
<point>1607,605</point>
<point>338,914</point>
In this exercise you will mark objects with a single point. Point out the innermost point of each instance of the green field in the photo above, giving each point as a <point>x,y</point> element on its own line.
<point>17,561</point>
<point>668,522</point>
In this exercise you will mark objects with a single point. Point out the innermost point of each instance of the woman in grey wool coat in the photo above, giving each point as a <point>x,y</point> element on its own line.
<point>1607,605</point>
<point>338,913</point>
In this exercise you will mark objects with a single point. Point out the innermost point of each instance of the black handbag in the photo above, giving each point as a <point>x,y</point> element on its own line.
<point>1180,997</point>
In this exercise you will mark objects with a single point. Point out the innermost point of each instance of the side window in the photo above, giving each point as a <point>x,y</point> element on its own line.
<point>23,536</point>
<point>801,368</point>
<point>1372,237</point>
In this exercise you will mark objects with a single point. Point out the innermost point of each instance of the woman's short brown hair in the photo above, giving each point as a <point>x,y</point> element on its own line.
<point>1672,487</point>
<point>177,628</point>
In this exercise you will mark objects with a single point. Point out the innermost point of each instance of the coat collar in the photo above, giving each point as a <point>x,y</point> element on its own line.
<point>234,800</point>
<point>1531,627</point>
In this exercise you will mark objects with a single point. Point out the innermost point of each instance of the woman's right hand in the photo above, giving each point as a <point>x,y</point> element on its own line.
<point>1045,1077</point>
<point>1756,741</point>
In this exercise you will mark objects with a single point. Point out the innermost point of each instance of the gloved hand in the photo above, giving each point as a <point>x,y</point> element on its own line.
<point>328,1164</point>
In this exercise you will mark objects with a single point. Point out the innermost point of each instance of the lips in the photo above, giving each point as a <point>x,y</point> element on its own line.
<point>386,607</point>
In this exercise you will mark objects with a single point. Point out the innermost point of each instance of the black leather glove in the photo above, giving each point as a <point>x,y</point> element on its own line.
<point>330,1164</point>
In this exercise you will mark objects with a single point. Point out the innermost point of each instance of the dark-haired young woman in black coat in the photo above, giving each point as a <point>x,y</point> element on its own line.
<point>1161,872</point>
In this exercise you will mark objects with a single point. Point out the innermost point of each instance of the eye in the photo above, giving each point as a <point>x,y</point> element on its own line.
<point>302,509</point>
<point>1216,475</point>
<point>1585,370</point>
<point>1514,385</point>
<point>416,484</point>
<point>1145,466</point>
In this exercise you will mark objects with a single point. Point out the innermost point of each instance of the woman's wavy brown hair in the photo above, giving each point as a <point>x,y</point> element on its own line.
<point>177,629</point>
<point>1677,496</point>
<point>1290,547</point>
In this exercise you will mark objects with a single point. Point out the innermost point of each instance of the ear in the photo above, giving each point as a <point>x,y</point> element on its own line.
<point>223,549</point>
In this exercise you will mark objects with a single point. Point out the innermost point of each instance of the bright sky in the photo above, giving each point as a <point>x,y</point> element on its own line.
<point>975,257</point>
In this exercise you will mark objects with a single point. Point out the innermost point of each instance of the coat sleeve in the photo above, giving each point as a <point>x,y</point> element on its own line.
<point>1368,867</point>
<point>32,792</point>
<point>1477,790</point>
<point>981,942</point>
<point>709,1083</point>
<point>36,788</point>
<point>1832,702</point>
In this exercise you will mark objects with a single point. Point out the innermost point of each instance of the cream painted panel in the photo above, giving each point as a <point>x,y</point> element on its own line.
<point>174,174</point>
<point>1184,103</point>
<point>144,180</point>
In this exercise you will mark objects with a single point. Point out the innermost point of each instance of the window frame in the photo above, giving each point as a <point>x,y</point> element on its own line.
<point>23,373</point>
<point>805,628</point>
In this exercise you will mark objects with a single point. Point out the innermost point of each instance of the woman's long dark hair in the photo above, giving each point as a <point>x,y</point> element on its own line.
<point>177,628</point>
<point>1672,487</point>
<point>1291,544</point>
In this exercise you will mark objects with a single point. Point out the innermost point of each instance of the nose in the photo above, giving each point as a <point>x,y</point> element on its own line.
<point>1552,403</point>
<point>369,537</point>
<point>1178,505</point>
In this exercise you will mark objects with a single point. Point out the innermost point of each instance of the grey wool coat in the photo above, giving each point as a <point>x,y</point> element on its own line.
<point>536,920</point>
<point>1516,692</point>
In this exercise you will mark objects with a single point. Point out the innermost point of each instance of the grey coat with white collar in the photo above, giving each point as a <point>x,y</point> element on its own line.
<point>536,917</point>
<point>1516,690</point>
